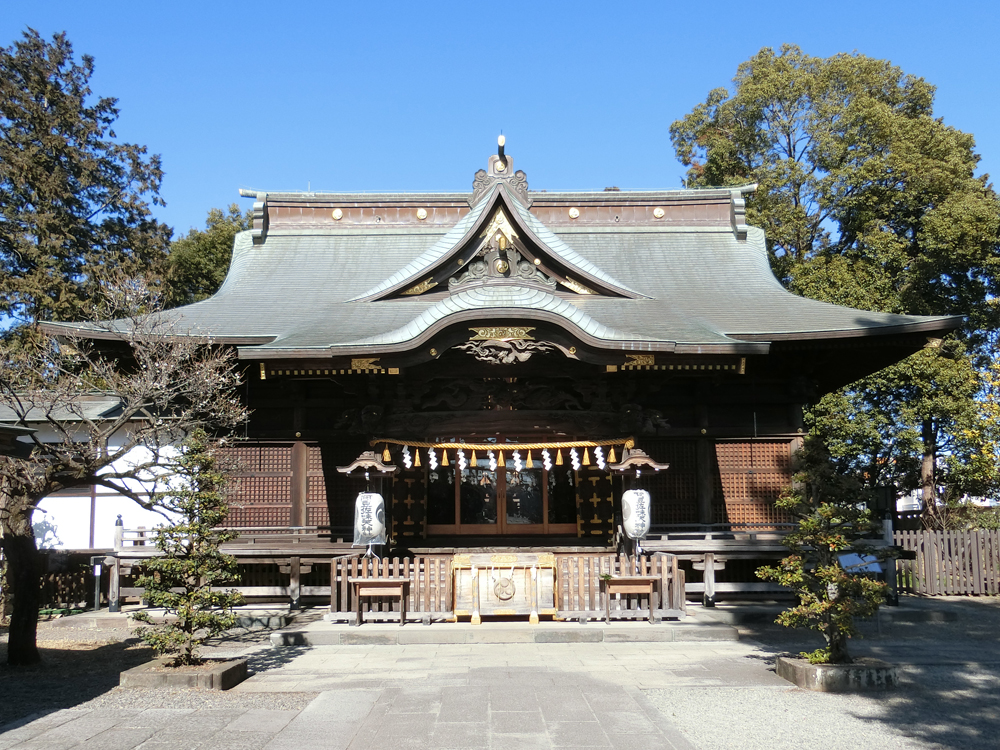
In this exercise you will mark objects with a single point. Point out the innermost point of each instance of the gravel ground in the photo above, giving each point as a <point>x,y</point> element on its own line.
<point>949,697</point>
<point>81,668</point>
<point>937,707</point>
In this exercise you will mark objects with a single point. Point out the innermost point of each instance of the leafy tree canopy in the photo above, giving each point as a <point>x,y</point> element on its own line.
<point>198,263</point>
<point>74,201</point>
<point>868,200</point>
<point>865,197</point>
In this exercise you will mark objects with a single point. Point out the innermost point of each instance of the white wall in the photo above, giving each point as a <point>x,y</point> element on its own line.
<point>63,521</point>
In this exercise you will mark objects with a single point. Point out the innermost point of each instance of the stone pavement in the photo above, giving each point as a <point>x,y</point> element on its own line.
<point>719,694</point>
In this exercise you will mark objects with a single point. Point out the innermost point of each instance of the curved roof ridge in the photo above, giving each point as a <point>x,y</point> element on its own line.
<point>427,261</point>
<point>564,252</point>
<point>242,246</point>
<point>511,297</point>
<point>433,254</point>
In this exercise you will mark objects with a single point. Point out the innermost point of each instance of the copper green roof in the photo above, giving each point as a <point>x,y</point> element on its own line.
<point>689,277</point>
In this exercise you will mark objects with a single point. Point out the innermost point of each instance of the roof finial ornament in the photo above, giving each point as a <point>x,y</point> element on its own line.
<point>500,169</point>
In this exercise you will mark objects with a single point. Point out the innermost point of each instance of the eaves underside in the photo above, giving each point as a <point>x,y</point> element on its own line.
<point>936,325</point>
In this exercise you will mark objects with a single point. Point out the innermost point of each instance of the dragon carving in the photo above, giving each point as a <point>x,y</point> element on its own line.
<point>498,352</point>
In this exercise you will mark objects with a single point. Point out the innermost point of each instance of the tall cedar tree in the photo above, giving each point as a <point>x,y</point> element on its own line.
<point>188,580</point>
<point>74,202</point>
<point>199,261</point>
<point>870,201</point>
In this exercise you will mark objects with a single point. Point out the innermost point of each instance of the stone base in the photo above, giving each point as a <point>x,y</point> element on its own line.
<point>862,675</point>
<point>215,675</point>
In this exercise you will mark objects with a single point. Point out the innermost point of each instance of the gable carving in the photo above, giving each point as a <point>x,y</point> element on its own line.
<point>500,248</point>
<point>498,261</point>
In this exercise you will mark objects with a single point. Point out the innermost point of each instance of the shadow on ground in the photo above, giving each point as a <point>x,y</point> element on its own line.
<point>69,674</point>
<point>948,652</point>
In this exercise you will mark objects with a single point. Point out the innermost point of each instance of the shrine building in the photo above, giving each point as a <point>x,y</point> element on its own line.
<point>503,352</point>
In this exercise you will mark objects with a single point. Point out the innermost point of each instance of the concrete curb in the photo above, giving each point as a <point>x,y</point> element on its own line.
<point>221,676</point>
<point>862,676</point>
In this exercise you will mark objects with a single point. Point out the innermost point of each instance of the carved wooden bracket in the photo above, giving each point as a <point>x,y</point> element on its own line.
<point>637,459</point>
<point>368,460</point>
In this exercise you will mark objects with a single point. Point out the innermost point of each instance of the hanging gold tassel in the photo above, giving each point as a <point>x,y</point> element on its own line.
<point>472,461</point>
<point>416,453</point>
<point>559,461</point>
<point>386,456</point>
<point>444,457</point>
<point>500,462</point>
<point>528,464</point>
<point>611,456</point>
<point>586,458</point>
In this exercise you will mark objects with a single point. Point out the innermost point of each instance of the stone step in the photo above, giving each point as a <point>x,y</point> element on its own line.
<point>391,634</point>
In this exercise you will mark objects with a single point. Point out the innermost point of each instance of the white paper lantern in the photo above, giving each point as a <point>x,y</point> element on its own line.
<point>635,513</point>
<point>369,519</point>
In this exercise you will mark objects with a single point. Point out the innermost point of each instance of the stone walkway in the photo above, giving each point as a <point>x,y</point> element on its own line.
<point>713,695</point>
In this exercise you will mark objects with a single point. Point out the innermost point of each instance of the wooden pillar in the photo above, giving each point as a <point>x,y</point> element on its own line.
<point>703,464</point>
<point>114,584</point>
<point>300,483</point>
<point>705,485</point>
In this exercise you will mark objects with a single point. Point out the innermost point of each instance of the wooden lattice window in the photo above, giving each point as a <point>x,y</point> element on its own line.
<point>751,476</point>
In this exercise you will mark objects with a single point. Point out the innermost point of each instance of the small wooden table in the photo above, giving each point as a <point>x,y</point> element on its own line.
<point>631,585</point>
<point>397,587</point>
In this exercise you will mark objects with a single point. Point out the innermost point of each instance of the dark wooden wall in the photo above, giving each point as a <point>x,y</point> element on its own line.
<point>297,484</point>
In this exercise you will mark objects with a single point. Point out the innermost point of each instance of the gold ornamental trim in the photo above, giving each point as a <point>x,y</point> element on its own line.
<point>500,223</point>
<point>422,287</point>
<point>503,333</point>
<point>365,364</point>
<point>504,559</point>
<point>577,287</point>
<point>640,359</point>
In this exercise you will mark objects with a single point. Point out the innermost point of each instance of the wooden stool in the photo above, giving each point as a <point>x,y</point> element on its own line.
<point>631,585</point>
<point>396,587</point>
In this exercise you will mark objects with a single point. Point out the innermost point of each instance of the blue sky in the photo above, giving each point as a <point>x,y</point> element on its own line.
<point>411,96</point>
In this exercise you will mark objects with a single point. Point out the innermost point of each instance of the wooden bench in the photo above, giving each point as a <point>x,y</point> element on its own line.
<point>395,587</point>
<point>649,585</point>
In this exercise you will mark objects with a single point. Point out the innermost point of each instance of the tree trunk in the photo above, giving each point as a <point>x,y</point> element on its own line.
<point>927,483</point>
<point>24,577</point>
<point>837,642</point>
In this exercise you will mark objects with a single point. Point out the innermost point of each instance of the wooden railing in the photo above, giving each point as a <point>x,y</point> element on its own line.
<point>579,592</point>
<point>430,592</point>
<point>950,563</point>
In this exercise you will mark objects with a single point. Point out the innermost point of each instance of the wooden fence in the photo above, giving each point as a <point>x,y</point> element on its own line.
<point>430,591</point>
<point>578,585</point>
<point>950,563</point>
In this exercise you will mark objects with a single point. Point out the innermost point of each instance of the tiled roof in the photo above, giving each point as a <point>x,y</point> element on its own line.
<point>699,288</point>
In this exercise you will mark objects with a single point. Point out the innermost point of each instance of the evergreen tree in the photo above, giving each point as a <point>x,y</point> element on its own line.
<point>184,580</point>
<point>832,522</point>
<point>870,201</point>
<point>74,202</point>
<point>198,263</point>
